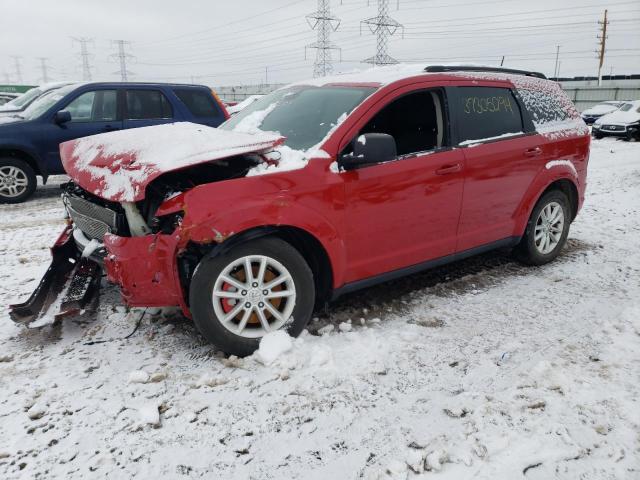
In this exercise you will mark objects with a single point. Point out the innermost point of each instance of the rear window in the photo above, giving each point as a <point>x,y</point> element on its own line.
<point>147,104</point>
<point>487,113</point>
<point>547,106</point>
<point>199,102</point>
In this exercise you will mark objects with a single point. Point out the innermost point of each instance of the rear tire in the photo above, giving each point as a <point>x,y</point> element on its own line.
<point>547,230</point>
<point>234,312</point>
<point>17,180</point>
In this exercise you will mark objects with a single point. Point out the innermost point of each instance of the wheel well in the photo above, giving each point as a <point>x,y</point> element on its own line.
<point>569,189</point>
<point>309,247</point>
<point>12,152</point>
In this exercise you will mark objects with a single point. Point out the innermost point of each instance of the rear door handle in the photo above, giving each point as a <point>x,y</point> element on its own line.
<point>533,152</point>
<point>447,169</point>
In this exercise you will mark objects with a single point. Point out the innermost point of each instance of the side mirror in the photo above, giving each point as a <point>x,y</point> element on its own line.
<point>63,116</point>
<point>368,149</point>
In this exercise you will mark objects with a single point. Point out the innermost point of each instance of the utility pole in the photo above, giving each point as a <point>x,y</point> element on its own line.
<point>502,61</point>
<point>555,70</point>
<point>324,23</point>
<point>603,45</point>
<point>85,56</point>
<point>122,56</point>
<point>16,61</point>
<point>44,69</point>
<point>383,26</point>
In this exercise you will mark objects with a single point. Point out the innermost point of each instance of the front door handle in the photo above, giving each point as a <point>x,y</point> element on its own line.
<point>533,152</point>
<point>447,169</point>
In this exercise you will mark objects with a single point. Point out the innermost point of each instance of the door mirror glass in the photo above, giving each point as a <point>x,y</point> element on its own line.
<point>63,116</point>
<point>368,149</point>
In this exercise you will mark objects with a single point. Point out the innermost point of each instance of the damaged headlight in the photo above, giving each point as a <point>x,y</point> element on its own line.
<point>166,224</point>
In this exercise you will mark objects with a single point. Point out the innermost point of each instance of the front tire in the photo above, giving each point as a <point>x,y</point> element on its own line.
<point>547,230</point>
<point>17,180</point>
<point>257,287</point>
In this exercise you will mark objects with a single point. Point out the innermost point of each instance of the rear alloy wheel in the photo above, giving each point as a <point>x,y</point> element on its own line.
<point>258,287</point>
<point>17,180</point>
<point>547,230</point>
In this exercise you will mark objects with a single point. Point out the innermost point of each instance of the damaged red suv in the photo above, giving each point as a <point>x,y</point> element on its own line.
<point>318,189</point>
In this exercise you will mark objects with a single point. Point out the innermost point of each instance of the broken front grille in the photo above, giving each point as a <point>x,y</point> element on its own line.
<point>93,220</point>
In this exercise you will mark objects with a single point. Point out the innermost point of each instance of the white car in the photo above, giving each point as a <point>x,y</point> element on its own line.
<point>624,122</point>
<point>591,114</point>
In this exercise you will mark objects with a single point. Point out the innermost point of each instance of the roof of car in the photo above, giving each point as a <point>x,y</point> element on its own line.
<point>385,75</point>
<point>146,84</point>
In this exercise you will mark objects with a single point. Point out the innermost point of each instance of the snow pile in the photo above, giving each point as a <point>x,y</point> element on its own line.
<point>272,345</point>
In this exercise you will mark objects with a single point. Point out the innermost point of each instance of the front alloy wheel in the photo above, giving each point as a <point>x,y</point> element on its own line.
<point>256,287</point>
<point>254,295</point>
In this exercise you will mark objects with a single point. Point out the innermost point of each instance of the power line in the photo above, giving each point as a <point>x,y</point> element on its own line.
<point>122,56</point>
<point>18,67</point>
<point>324,23</point>
<point>85,56</point>
<point>44,69</point>
<point>383,26</point>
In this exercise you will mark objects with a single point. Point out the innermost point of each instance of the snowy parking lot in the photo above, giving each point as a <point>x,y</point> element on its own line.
<point>484,369</point>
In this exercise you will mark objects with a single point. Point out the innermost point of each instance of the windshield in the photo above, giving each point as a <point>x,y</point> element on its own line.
<point>25,98</point>
<point>45,102</point>
<point>626,107</point>
<point>303,114</point>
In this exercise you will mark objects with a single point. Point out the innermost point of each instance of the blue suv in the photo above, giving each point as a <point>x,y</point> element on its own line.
<point>29,140</point>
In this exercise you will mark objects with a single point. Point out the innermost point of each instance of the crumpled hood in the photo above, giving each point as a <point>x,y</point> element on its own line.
<point>118,166</point>
<point>620,118</point>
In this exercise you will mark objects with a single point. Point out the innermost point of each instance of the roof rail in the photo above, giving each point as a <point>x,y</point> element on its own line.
<point>471,68</point>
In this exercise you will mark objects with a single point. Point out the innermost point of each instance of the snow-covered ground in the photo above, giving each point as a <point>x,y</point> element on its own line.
<point>481,370</point>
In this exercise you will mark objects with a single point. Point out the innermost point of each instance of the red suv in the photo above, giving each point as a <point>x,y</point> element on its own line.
<point>319,189</point>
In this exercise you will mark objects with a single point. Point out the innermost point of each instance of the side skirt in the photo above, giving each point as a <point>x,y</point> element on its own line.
<point>437,262</point>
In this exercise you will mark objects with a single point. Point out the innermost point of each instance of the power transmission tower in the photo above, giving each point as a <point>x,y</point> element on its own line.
<point>383,26</point>
<point>85,56</point>
<point>44,69</point>
<point>603,44</point>
<point>122,56</point>
<point>16,61</point>
<point>322,21</point>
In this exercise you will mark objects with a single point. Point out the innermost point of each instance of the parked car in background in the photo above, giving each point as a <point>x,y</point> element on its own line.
<point>591,114</point>
<point>623,123</point>
<point>7,97</point>
<point>319,189</point>
<point>233,109</point>
<point>21,102</point>
<point>29,141</point>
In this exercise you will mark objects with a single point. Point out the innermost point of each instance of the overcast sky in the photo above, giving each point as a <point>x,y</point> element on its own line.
<point>218,42</point>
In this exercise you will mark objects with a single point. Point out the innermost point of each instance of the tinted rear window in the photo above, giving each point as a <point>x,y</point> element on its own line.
<point>147,104</point>
<point>487,112</point>
<point>199,102</point>
<point>548,105</point>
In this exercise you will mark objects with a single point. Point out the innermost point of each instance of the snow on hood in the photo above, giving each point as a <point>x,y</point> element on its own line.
<point>9,119</point>
<point>620,117</point>
<point>600,109</point>
<point>119,165</point>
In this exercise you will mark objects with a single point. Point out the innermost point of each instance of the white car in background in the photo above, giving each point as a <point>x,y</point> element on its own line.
<point>20,103</point>
<point>592,114</point>
<point>623,123</point>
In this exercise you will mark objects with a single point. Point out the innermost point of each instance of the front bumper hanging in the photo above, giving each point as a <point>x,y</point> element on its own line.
<point>73,278</point>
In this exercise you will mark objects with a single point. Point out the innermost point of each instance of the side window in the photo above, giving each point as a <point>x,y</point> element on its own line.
<point>147,104</point>
<point>94,106</point>
<point>199,102</point>
<point>487,112</point>
<point>415,121</point>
